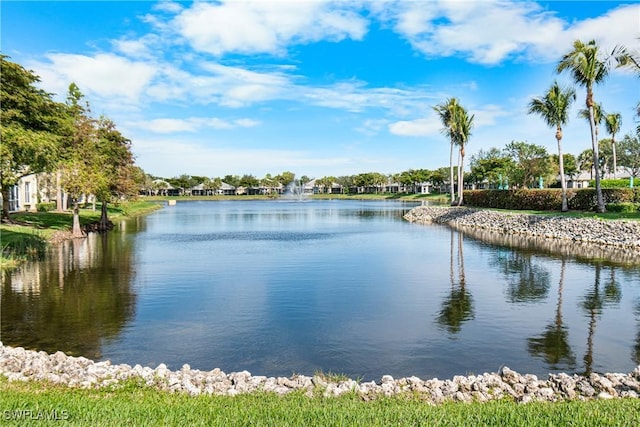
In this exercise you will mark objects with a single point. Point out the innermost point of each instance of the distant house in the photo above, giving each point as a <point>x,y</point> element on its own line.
<point>226,189</point>
<point>24,195</point>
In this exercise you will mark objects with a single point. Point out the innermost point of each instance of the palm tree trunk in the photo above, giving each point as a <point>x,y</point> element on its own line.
<point>596,159</point>
<point>563,182</point>
<point>452,189</point>
<point>461,177</point>
<point>615,162</point>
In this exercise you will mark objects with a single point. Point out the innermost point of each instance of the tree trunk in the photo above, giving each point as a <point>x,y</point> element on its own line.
<point>461,177</point>
<point>104,220</point>
<point>59,202</point>
<point>452,188</point>
<point>615,161</point>
<point>596,161</point>
<point>76,230</point>
<point>563,182</point>
<point>6,193</point>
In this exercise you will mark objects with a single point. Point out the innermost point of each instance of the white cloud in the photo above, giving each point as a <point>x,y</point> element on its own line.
<point>192,124</point>
<point>419,127</point>
<point>105,75</point>
<point>158,157</point>
<point>266,27</point>
<point>491,31</point>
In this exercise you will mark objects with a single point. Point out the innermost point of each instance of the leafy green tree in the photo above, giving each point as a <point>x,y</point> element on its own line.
<point>285,178</point>
<point>554,107</point>
<point>81,160</point>
<point>492,166</point>
<point>249,181</point>
<point>117,170</point>
<point>531,161</point>
<point>629,149</point>
<point>233,180</point>
<point>588,67</point>
<point>29,124</point>
<point>613,122</point>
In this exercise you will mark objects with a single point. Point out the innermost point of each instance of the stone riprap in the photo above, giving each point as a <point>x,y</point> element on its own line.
<point>620,233</point>
<point>19,364</point>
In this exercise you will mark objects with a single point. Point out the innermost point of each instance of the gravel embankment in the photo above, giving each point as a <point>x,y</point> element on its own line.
<point>619,233</point>
<point>18,364</point>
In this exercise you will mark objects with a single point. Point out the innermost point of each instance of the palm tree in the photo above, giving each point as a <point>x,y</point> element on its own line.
<point>586,65</point>
<point>554,110</point>
<point>446,112</point>
<point>613,122</point>
<point>463,126</point>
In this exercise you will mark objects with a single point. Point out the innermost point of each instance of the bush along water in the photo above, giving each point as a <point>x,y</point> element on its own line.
<point>548,199</point>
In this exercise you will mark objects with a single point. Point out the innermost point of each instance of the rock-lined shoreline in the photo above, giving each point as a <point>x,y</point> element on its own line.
<point>619,234</point>
<point>19,364</point>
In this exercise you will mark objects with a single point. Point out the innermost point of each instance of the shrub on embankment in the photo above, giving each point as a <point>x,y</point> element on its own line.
<point>548,199</point>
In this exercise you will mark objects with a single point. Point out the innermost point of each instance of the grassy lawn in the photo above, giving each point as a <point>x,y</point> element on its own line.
<point>134,404</point>
<point>27,237</point>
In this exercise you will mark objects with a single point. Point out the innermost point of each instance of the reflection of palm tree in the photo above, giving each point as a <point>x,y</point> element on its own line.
<point>458,307</point>
<point>593,303</point>
<point>553,344</point>
<point>636,348</point>
<point>528,281</point>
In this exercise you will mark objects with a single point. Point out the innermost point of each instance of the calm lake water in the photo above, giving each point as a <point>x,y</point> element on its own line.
<point>283,287</point>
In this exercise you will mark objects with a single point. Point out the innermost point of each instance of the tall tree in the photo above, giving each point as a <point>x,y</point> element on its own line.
<point>613,122</point>
<point>446,112</point>
<point>80,164</point>
<point>554,107</point>
<point>29,122</point>
<point>463,126</point>
<point>588,67</point>
<point>117,171</point>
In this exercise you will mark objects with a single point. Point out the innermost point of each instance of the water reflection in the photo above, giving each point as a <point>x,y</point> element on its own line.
<point>77,297</point>
<point>593,304</point>
<point>555,247</point>
<point>553,344</point>
<point>528,280</point>
<point>276,288</point>
<point>457,307</point>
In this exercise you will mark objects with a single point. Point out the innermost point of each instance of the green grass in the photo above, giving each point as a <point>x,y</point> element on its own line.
<point>134,404</point>
<point>27,238</point>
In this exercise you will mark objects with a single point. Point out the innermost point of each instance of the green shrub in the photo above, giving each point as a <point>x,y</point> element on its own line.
<point>46,207</point>
<point>624,207</point>
<point>611,183</point>
<point>545,199</point>
<point>548,199</point>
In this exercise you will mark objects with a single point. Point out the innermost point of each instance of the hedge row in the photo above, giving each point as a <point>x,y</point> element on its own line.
<point>548,199</point>
<point>611,183</point>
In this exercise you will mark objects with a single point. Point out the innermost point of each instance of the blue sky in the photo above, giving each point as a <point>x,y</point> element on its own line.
<point>316,87</point>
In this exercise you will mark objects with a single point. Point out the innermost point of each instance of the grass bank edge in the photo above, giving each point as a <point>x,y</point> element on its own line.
<point>28,237</point>
<point>134,403</point>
